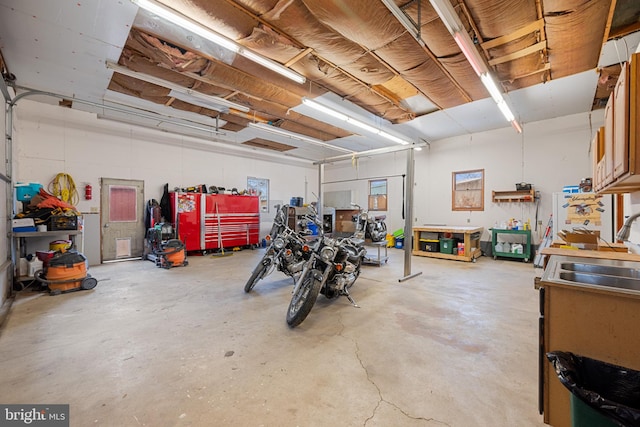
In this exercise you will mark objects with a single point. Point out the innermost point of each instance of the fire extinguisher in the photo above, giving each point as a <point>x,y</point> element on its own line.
<point>87,192</point>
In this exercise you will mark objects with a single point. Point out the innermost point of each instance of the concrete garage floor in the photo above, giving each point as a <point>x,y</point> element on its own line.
<point>456,346</point>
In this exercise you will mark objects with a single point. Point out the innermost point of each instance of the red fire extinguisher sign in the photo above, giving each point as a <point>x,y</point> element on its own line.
<point>87,192</point>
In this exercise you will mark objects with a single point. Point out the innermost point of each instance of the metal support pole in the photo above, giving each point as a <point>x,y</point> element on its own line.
<point>408,218</point>
<point>320,181</point>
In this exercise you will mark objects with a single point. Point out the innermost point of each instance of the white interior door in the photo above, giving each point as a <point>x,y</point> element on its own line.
<point>122,219</point>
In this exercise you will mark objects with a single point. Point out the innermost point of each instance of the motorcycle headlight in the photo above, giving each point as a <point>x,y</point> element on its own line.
<point>363,216</point>
<point>278,243</point>
<point>327,253</point>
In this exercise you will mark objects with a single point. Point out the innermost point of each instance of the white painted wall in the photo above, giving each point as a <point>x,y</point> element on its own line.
<point>49,140</point>
<point>548,154</point>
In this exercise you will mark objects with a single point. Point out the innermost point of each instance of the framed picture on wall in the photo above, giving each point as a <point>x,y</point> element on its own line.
<point>468,190</point>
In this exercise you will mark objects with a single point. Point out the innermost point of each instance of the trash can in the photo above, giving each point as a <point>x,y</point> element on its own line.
<point>602,394</point>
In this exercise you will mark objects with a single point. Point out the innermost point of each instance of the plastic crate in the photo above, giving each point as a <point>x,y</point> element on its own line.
<point>430,245</point>
<point>446,246</point>
<point>64,222</point>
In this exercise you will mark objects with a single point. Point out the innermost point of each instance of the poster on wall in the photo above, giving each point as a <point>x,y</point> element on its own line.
<point>583,208</point>
<point>259,187</point>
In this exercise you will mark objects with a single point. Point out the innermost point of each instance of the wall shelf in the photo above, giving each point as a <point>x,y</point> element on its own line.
<point>513,196</point>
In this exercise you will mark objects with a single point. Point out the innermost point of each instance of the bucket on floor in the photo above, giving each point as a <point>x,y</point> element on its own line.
<point>399,242</point>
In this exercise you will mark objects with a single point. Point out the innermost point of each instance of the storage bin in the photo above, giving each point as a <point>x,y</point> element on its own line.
<point>571,189</point>
<point>430,245</point>
<point>446,246</point>
<point>64,222</point>
<point>25,192</point>
<point>429,235</point>
<point>399,242</point>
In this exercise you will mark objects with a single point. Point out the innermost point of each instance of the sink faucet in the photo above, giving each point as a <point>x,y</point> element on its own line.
<point>624,232</point>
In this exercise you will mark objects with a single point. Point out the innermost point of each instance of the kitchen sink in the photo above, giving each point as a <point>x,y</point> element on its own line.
<point>594,272</point>
<point>609,270</point>
<point>601,280</point>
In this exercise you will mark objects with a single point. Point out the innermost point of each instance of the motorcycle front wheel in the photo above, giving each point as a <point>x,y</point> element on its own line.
<point>257,274</point>
<point>303,300</point>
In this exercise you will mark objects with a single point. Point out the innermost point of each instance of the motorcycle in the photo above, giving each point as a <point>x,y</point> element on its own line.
<point>331,269</point>
<point>284,252</point>
<point>368,227</point>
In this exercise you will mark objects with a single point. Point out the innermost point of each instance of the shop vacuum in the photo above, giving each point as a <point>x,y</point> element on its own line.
<point>64,272</point>
<point>163,249</point>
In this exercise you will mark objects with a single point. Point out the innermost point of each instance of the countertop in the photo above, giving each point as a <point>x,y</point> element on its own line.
<point>622,256</point>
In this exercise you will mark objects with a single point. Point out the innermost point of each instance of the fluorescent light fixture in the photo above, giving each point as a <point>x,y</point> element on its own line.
<point>272,65</point>
<point>491,87</point>
<point>470,52</point>
<point>204,32</point>
<point>328,111</point>
<point>447,13</point>
<point>506,112</point>
<point>281,132</point>
<point>213,102</point>
<point>195,101</point>
<point>404,20</point>
<point>393,138</point>
<point>516,126</point>
<point>348,119</point>
<point>363,125</point>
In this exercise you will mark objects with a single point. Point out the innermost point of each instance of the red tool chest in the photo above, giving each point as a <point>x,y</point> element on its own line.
<point>212,221</point>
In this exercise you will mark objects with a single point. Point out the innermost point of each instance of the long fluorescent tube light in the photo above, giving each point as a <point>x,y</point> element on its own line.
<point>328,111</point>
<point>213,100</point>
<point>348,119</point>
<point>506,112</point>
<point>393,138</point>
<point>470,52</point>
<point>448,15</point>
<point>297,136</point>
<point>204,32</point>
<point>488,83</point>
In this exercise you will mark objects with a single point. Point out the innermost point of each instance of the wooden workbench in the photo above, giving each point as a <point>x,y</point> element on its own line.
<point>467,234</point>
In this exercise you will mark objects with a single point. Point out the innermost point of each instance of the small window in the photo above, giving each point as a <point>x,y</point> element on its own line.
<point>378,195</point>
<point>122,204</point>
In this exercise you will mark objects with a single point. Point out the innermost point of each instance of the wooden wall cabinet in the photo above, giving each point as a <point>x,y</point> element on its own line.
<point>598,160</point>
<point>617,169</point>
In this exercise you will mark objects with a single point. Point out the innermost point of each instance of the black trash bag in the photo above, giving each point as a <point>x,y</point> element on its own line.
<point>612,390</point>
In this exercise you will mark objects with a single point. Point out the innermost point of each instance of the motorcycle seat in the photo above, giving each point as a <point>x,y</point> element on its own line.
<point>381,217</point>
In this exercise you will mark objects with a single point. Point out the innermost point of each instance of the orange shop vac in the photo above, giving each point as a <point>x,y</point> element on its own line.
<point>65,272</point>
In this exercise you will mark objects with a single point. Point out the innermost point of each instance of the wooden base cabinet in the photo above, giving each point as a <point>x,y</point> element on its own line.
<point>601,324</point>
